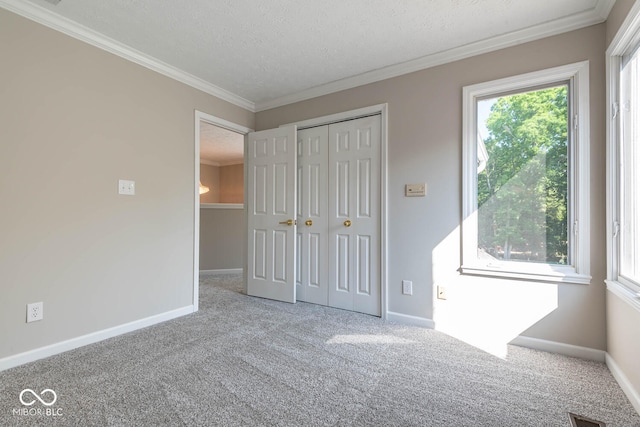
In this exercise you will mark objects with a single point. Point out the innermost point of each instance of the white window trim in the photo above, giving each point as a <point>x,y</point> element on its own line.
<point>628,36</point>
<point>579,248</point>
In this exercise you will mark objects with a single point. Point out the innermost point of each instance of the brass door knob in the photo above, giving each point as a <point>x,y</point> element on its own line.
<point>347,223</point>
<point>308,223</point>
<point>288,222</point>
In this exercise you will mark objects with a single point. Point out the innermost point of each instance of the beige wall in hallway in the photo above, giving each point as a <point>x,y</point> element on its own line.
<point>222,236</point>
<point>232,184</point>
<point>210,177</point>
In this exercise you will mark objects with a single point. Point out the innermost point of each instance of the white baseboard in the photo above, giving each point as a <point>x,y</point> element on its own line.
<point>221,271</point>
<point>632,394</point>
<point>61,347</point>
<point>410,320</point>
<point>560,348</point>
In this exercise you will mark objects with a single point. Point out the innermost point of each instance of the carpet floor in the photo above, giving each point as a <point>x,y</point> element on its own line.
<point>243,361</point>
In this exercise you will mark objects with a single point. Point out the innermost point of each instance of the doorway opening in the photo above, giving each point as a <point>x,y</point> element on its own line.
<point>221,165</point>
<point>219,197</point>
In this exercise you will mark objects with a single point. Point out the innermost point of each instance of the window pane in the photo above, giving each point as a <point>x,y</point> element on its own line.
<point>630,177</point>
<point>522,177</point>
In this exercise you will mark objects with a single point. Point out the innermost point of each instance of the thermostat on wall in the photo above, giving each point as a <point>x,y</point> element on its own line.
<point>415,190</point>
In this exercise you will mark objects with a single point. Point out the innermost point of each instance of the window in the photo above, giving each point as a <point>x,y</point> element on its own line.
<point>522,182</point>
<point>623,155</point>
<point>629,223</point>
<point>525,176</point>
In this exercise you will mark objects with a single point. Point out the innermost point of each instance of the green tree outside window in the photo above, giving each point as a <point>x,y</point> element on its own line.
<point>522,181</point>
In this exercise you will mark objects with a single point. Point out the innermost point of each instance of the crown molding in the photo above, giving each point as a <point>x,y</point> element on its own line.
<point>80,32</point>
<point>52,20</point>
<point>594,16</point>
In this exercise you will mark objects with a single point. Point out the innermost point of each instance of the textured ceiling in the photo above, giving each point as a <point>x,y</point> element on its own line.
<point>220,147</point>
<point>266,52</point>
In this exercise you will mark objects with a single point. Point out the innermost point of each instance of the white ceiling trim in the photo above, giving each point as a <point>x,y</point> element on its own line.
<point>87,35</point>
<point>595,16</point>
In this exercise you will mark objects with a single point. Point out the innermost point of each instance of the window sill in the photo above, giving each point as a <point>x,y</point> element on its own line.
<point>538,273</point>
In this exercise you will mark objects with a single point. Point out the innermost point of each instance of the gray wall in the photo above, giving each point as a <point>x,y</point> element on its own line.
<point>425,117</point>
<point>617,15</point>
<point>222,235</point>
<point>73,120</point>
<point>623,339</point>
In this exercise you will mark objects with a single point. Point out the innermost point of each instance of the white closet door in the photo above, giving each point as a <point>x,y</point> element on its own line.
<point>354,215</point>
<point>312,267</point>
<point>271,205</point>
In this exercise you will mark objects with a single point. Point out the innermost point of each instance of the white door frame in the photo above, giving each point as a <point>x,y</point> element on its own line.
<point>216,121</point>
<point>381,109</point>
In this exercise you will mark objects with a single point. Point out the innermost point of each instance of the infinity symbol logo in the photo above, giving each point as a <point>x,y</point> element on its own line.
<point>40,398</point>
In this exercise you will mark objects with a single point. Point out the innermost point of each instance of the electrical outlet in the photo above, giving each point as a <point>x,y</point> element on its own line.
<point>407,287</point>
<point>126,187</point>
<point>442,292</point>
<point>35,311</point>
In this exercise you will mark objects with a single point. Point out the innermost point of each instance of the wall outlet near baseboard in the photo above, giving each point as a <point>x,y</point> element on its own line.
<point>35,311</point>
<point>442,292</point>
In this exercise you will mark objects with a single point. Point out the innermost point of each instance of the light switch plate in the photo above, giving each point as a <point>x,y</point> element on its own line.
<point>415,190</point>
<point>126,187</point>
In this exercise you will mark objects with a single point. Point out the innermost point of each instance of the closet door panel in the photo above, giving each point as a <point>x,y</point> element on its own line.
<point>312,281</point>
<point>354,214</point>
<point>271,205</point>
